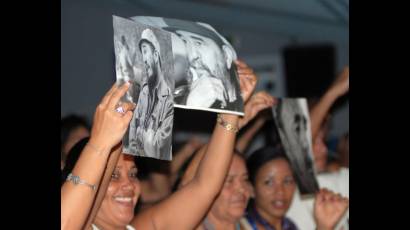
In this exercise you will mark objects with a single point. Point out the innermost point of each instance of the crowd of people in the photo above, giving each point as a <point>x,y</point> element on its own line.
<point>207,185</point>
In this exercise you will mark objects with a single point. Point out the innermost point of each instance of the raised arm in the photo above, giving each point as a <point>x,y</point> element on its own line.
<point>257,103</point>
<point>251,110</point>
<point>320,110</point>
<point>253,105</point>
<point>183,155</point>
<point>108,128</point>
<point>185,208</point>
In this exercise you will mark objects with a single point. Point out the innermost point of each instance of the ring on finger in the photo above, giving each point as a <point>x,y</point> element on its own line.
<point>120,109</point>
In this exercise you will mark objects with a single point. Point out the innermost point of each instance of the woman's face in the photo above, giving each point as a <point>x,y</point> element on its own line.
<point>233,198</point>
<point>117,208</point>
<point>274,188</point>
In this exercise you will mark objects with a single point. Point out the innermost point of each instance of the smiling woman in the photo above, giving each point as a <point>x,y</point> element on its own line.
<point>108,203</point>
<point>121,196</point>
<point>122,191</point>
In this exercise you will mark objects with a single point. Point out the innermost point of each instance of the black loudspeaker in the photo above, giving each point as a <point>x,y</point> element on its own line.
<point>309,70</point>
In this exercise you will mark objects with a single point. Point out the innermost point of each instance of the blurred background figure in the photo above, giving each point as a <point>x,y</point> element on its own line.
<point>331,176</point>
<point>158,177</point>
<point>343,150</point>
<point>320,114</point>
<point>73,129</point>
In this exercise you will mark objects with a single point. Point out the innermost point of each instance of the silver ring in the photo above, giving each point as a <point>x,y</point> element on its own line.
<point>120,109</point>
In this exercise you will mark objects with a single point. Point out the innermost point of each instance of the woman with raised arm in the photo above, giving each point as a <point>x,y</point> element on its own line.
<point>114,208</point>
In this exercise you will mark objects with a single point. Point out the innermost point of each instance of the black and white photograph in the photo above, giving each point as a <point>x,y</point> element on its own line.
<point>144,57</point>
<point>293,124</point>
<point>205,74</point>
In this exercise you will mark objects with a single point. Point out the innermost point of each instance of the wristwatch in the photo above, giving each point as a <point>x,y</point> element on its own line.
<point>226,125</point>
<point>77,180</point>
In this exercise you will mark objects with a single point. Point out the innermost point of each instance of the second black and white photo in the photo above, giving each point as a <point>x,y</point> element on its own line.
<point>293,124</point>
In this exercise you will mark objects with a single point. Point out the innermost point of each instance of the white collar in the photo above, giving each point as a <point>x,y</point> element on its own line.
<point>128,227</point>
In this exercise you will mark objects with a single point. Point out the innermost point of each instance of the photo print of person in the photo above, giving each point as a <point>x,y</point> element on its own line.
<point>292,121</point>
<point>144,56</point>
<point>125,69</point>
<point>205,75</point>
